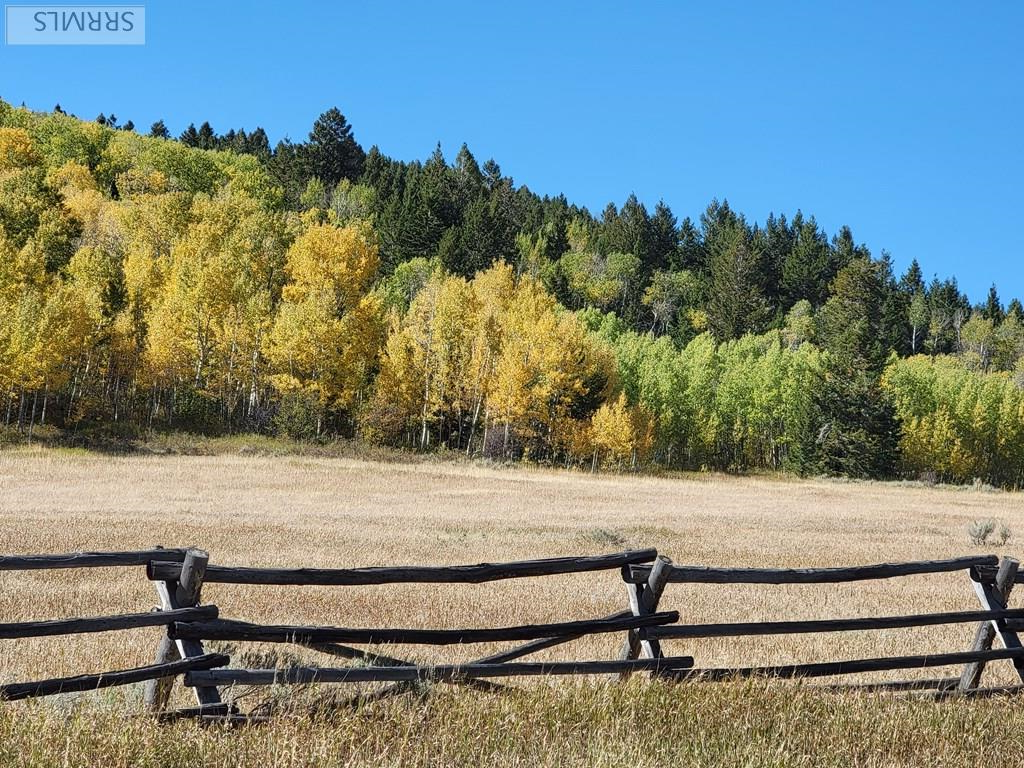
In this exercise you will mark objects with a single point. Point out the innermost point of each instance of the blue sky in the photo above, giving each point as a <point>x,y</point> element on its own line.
<point>904,120</point>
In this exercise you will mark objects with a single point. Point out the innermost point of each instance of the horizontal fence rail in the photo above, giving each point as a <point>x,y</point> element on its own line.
<point>81,683</point>
<point>986,574</point>
<point>55,627</point>
<point>179,575</point>
<point>919,684</point>
<point>693,574</point>
<point>304,675</point>
<point>542,644</point>
<point>261,633</point>
<point>448,574</point>
<point>746,629</point>
<point>852,666</point>
<point>88,559</point>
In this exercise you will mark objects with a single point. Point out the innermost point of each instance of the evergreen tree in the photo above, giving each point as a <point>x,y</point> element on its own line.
<point>190,136</point>
<point>691,253</point>
<point>993,307</point>
<point>736,304</point>
<point>206,138</point>
<point>807,269</point>
<point>629,231</point>
<point>912,281</point>
<point>664,238</point>
<point>1016,310</point>
<point>918,315</point>
<point>257,143</point>
<point>859,435</point>
<point>332,153</point>
<point>492,174</point>
<point>777,239</point>
<point>469,180</point>
<point>286,168</point>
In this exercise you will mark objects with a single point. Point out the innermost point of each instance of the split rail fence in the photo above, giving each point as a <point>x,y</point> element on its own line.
<point>178,576</point>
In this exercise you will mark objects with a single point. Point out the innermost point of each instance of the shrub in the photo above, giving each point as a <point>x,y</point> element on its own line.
<point>980,530</point>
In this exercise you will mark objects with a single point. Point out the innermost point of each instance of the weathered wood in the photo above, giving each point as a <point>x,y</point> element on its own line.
<point>14,691</point>
<point>746,629</point>
<point>693,574</point>
<point>539,645</point>
<point>307,675</point>
<point>158,693</point>
<point>239,630</point>
<point>986,632</point>
<point>643,600</point>
<point>454,574</point>
<point>347,652</point>
<point>380,660</point>
<point>104,623</point>
<point>851,666</point>
<point>933,683</point>
<point>190,581</point>
<point>88,559</point>
<point>992,599</point>
<point>987,574</point>
<point>188,713</point>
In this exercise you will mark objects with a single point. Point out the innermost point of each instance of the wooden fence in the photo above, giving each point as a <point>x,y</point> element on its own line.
<point>89,682</point>
<point>991,579</point>
<point>178,576</point>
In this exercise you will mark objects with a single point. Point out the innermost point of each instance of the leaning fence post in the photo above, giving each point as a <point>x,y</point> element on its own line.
<point>643,601</point>
<point>183,592</point>
<point>1005,577</point>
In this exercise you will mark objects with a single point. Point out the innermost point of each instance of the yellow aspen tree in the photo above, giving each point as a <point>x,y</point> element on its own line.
<point>16,149</point>
<point>325,338</point>
<point>493,289</point>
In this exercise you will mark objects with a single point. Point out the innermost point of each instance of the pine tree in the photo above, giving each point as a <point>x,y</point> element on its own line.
<point>664,238</point>
<point>993,307</point>
<point>777,239</point>
<point>190,136</point>
<point>918,315</point>
<point>258,144</point>
<point>206,138</point>
<point>1015,309</point>
<point>807,269</point>
<point>859,435</point>
<point>912,281</point>
<point>332,153</point>
<point>736,303</point>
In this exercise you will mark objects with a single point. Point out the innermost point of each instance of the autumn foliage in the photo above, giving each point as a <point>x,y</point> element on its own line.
<point>147,284</point>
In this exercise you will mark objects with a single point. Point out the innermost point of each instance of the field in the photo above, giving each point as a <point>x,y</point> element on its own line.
<point>308,511</point>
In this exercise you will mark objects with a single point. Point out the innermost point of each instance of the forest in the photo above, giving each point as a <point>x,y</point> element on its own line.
<point>213,283</point>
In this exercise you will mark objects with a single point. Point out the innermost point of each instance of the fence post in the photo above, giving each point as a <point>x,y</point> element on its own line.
<point>643,601</point>
<point>182,593</point>
<point>983,638</point>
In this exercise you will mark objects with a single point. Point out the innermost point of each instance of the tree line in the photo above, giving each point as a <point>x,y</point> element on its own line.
<point>214,283</point>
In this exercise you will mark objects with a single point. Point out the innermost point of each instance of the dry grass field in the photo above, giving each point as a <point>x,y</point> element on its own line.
<point>305,511</point>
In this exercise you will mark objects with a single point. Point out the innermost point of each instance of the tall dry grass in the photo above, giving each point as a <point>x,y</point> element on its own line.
<point>323,512</point>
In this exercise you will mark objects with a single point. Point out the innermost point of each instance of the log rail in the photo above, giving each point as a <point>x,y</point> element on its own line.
<point>179,575</point>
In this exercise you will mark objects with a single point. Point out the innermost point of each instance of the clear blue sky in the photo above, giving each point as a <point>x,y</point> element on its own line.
<point>903,120</point>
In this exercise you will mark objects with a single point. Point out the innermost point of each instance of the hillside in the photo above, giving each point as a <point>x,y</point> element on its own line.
<point>216,285</point>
